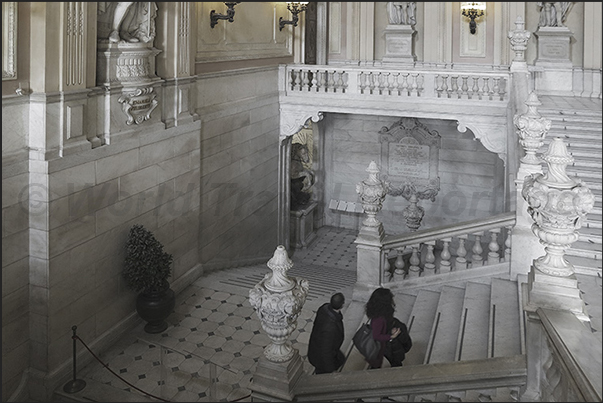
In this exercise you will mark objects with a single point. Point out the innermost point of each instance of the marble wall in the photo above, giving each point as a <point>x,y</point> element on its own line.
<point>471,177</point>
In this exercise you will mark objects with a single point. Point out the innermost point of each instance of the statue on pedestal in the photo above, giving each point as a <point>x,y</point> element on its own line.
<point>127,21</point>
<point>401,12</point>
<point>553,14</point>
<point>302,178</point>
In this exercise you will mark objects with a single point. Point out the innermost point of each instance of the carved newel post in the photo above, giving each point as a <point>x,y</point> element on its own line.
<point>372,193</point>
<point>558,204</point>
<point>531,129</point>
<point>278,301</point>
<point>519,41</point>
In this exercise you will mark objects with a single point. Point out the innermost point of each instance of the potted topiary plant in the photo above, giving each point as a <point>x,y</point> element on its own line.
<point>146,271</point>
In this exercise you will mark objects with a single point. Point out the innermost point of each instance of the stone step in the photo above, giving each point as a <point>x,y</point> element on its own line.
<point>445,331</point>
<point>420,325</point>
<point>472,342</point>
<point>568,113</point>
<point>504,317</point>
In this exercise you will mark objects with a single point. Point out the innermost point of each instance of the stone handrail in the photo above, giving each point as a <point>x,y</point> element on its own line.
<point>465,256</point>
<point>571,371</point>
<point>391,82</point>
<point>412,380</point>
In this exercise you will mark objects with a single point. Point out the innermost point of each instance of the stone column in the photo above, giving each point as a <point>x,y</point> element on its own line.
<point>278,301</point>
<point>368,269</point>
<point>558,204</point>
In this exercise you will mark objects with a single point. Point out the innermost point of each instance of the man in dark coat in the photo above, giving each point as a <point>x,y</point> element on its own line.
<point>327,337</point>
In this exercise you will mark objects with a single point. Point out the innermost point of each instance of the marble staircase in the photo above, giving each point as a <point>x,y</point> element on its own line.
<point>580,125</point>
<point>457,322</point>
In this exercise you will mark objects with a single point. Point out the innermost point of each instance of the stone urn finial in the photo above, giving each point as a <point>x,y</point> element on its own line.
<point>278,301</point>
<point>558,204</point>
<point>531,128</point>
<point>519,39</point>
<point>372,193</point>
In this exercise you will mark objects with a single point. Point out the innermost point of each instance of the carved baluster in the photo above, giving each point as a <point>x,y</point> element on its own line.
<point>291,79</point>
<point>331,83</point>
<point>414,270</point>
<point>372,81</point>
<point>438,81</point>
<point>305,81</point>
<point>315,80</point>
<point>344,81</point>
<point>454,86</point>
<point>487,90</point>
<point>479,90</point>
<point>390,83</point>
<point>496,87</point>
<point>396,85</point>
<point>340,81</point>
<point>381,82</point>
<point>493,256</point>
<point>399,263</point>
<point>445,85</point>
<point>420,82</point>
<point>465,86</point>
<point>445,256</point>
<point>508,244</point>
<point>362,81</point>
<point>502,89</point>
<point>404,84</point>
<point>322,87</point>
<point>429,269</point>
<point>298,80</point>
<point>415,85</point>
<point>471,90</point>
<point>476,258</point>
<point>387,267</point>
<point>461,252</point>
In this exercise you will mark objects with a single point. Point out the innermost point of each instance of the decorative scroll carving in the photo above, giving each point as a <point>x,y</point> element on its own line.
<point>492,137</point>
<point>278,301</point>
<point>138,104</point>
<point>293,121</point>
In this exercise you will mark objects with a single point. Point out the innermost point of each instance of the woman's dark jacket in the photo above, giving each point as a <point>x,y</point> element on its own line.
<point>326,339</point>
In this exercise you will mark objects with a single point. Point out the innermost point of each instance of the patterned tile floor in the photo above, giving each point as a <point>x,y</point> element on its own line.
<point>214,332</point>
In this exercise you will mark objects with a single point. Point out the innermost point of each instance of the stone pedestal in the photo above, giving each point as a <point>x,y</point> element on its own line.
<point>553,64</point>
<point>559,293</point>
<point>127,70</point>
<point>274,381</point>
<point>398,44</point>
<point>126,64</point>
<point>302,226</point>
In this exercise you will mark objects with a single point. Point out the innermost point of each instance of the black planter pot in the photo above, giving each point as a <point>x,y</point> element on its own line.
<point>155,307</point>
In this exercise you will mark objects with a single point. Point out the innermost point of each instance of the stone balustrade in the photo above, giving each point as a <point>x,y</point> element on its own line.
<point>427,84</point>
<point>454,248</point>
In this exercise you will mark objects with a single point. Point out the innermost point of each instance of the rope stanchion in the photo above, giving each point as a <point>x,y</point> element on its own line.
<point>75,385</point>
<point>74,337</point>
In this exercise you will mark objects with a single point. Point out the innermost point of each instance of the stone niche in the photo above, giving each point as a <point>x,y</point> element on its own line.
<point>409,164</point>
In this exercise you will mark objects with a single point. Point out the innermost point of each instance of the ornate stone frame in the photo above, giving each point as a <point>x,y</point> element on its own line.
<point>9,34</point>
<point>414,133</point>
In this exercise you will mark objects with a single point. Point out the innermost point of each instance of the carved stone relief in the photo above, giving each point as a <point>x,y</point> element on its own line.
<point>409,156</point>
<point>9,40</point>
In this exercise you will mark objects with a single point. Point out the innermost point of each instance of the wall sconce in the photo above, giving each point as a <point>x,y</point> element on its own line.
<point>295,7</point>
<point>214,17</point>
<point>473,10</point>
